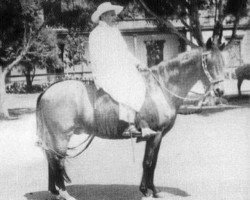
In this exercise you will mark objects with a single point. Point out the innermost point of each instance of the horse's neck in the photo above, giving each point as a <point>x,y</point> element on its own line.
<point>183,81</point>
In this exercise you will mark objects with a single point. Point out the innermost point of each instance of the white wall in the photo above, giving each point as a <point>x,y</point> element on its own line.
<point>245,47</point>
<point>171,46</point>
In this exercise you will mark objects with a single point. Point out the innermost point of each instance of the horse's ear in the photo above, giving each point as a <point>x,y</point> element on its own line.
<point>209,44</point>
<point>222,46</point>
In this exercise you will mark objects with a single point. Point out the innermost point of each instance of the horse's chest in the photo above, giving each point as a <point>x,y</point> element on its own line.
<point>165,110</point>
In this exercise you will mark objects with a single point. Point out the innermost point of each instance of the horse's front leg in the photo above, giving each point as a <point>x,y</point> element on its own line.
<point>149,164</point>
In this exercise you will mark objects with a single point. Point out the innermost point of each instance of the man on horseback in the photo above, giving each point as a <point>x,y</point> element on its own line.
<point>115,68</point>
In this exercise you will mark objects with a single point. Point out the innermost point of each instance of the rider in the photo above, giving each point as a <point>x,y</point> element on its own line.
<point>115,68</point>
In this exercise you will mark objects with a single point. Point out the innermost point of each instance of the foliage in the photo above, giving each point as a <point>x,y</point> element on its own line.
<point>155,52</point>
<point>76,14</point>
<point>189,12</point>
<point>21,88</point>
<point>20,21</point>
<point>75,48</point>
<point>11,26</point>
<point>68,14</point>
<point>75,17</point>
<point>44,51</point>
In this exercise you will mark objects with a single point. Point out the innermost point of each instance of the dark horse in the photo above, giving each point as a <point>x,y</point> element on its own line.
<point>72,107</point>
<point>242,73</point>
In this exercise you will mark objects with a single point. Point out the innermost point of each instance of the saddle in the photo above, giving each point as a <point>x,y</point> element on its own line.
<point>106,112</point>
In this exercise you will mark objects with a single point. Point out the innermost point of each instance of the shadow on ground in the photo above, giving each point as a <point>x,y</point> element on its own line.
<point>15,112</point>
<point>243,100</point>
<point>104,192</point>
<point>206,110</point>
<point>233,102</point>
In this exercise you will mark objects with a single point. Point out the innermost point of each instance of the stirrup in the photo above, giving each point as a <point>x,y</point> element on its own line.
<point>131,131</point>
<point>150,134</point>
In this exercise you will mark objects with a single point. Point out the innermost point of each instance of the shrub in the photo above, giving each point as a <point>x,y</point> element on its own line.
<point>21,88</point>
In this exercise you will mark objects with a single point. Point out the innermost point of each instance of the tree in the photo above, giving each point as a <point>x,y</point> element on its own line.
<point>75,17</point>
<point>43,53</point>
<point>189,13</point>
<point>20,23</point>
<point>21,27</point>
<point>75,48</point>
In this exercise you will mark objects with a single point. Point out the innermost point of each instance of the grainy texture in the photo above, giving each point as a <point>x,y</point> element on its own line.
<point>205,156</point>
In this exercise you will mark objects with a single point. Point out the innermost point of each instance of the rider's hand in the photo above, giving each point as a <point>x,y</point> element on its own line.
<point>141,67</point>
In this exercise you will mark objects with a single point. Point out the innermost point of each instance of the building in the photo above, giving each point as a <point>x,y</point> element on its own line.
<point>151,45</point>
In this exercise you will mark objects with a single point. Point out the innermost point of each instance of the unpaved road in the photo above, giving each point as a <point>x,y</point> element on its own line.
<point>204,157</point>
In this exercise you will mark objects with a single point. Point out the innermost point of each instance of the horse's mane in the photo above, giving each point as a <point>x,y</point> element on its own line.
<point>181,61</point>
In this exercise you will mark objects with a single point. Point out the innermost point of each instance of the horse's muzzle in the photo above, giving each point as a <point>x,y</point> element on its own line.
<point>218,91</point>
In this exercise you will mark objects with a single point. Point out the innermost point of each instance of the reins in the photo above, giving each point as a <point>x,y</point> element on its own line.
<point>89,140</point>
<point>208,90</point>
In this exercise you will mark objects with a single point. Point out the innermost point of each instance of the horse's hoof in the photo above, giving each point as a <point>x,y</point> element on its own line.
<point>148,198</point>
<point>64,195</point>
<point>59,197</point>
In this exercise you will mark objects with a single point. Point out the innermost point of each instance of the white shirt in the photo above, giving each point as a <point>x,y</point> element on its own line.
<point>114,66</point>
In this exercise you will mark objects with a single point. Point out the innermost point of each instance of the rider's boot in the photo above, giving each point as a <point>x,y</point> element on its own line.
<point>146,131</point>
<point>131,131</point>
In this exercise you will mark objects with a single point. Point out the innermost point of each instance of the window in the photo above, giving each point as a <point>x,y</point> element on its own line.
<point>154,51</point>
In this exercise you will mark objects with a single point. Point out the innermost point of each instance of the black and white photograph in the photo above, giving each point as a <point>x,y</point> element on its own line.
<point>125,99</point>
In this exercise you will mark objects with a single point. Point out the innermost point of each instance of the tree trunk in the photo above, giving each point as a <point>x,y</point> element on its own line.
<point>195,23</point>
<point>168,25</point>
<point>218,24</point>
<point>29,78</point>
<point>3,107</point>
<point>3,72</point>
<point>28,82</point>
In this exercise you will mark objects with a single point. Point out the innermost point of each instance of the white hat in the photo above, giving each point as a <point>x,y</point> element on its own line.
<point>105,7</point>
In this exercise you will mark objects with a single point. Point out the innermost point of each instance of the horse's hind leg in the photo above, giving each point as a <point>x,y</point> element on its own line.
<point>51,182</point>
<point>57,174</point>
<point>149,164</point>
<point>55,177</point>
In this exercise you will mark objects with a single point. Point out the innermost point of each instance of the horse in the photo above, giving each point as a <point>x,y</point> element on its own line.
<point>72,107</point>
<point>241,74</point>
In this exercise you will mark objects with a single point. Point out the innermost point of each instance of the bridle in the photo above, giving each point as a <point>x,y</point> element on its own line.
<point>207,73</point>
<point>204,67</point>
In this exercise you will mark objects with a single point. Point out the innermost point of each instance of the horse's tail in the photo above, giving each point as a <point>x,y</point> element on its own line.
<point>57,169</point>
<point>40,124</point>
<point>56,159</point>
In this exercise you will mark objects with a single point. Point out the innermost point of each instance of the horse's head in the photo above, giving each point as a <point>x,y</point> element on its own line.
<point>213,68</point>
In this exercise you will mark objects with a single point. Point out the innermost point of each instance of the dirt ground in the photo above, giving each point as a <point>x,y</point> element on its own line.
<point>204,157</point>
